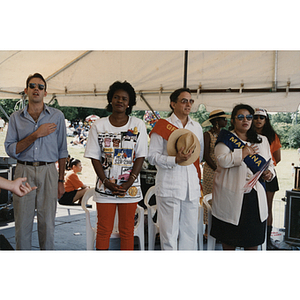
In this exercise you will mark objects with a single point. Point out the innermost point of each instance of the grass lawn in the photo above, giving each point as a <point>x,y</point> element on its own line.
<point>283,169</point>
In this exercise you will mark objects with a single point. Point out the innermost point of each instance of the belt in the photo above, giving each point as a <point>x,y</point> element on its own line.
<point>35,163</point>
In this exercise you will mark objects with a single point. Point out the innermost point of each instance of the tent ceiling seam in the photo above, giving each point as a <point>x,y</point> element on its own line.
<point>68,65</point>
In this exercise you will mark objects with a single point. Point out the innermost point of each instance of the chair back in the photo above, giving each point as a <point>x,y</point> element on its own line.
<point>92,231</point>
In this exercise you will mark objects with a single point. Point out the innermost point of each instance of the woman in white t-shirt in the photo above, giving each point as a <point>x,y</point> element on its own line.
<point>117,146</point>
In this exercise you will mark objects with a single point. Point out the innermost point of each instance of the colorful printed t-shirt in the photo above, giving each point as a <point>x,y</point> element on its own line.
<point>117,148</point>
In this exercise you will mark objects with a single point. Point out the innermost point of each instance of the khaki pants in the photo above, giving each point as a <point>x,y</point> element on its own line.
<point>43,200</point>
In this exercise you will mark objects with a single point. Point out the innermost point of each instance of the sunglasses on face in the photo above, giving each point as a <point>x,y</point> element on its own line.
<point>259,117</point>
<point>185,101</point>
<point>33,85</point>
<point>241,117</point>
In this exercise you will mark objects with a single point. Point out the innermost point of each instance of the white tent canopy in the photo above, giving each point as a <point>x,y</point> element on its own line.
<point>218,79</point>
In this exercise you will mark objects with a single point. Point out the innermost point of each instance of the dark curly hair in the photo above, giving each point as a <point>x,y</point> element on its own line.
<point>125,86</point>
<point>251,133</point>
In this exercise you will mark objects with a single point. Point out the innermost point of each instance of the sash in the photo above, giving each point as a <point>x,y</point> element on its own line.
<point>254,162</point>
<point>164,129</point>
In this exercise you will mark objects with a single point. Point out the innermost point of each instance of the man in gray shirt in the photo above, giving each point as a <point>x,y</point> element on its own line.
<point>36,137</point>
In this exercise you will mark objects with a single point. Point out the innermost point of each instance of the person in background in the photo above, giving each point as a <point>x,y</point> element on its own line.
<point>263,126</point>
<point>177,186</point>
<point>239,207</point>
<point>218,120</point>
<point>2,124</point>
<point>74,187</point>
<point>36,137</point>
<point>117,146</point>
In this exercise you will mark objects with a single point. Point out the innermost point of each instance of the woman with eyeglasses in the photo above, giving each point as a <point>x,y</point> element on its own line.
<point>263,126</point>
<point>239,205</point>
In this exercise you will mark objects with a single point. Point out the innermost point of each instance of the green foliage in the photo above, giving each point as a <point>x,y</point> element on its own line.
<point>8,105</point>
<point>200,116</point>
<point>285,124</point>
<point>281,118</point>
<point>282,129</point>
<point>72,113</point>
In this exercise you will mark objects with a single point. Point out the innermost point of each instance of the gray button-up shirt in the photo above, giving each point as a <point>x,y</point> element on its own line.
<point>49,148</point>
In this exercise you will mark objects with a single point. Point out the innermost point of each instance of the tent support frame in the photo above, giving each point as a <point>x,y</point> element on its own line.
<point>142,96</point>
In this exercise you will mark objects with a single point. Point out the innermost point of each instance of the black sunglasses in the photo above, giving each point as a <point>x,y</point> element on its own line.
<point>259,117</point>
<point>33,85</point>
<point>185,101</point>
<point>241,117</point>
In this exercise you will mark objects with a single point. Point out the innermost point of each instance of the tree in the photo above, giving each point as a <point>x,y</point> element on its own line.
<point>294,136</point>
<point>281,118</point>
<point>8,105</point>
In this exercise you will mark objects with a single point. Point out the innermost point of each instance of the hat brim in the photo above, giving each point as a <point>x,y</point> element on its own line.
<point>259,113</point>
<point>171,149</point>
<point>208,123</point>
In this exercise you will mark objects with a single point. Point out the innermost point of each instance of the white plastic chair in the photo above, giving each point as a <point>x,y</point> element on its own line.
<point>92,231</point>
<point>264,245</point>
<point>200,227</point>
<point>153,227</point>
<point>211,241</point>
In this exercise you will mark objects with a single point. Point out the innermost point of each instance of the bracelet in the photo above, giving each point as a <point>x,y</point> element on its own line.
<point>133,175</point>
<point>103,182</point>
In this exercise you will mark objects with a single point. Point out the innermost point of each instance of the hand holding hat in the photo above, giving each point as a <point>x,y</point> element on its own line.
<point>185,145</point>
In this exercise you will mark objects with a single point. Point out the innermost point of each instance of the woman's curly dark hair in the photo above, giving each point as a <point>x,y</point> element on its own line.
<point>125,86</point>
<point>251,133</point>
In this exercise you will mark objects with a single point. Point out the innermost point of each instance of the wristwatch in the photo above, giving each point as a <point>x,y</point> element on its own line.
<point>61,180</point>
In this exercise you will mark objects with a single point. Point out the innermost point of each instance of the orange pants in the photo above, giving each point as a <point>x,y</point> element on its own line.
<point>106,215</point>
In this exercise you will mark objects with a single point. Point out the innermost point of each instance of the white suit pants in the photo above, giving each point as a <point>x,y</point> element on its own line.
<point>178,221</point>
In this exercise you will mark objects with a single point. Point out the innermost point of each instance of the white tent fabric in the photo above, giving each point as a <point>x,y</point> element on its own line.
<point>82,78</point>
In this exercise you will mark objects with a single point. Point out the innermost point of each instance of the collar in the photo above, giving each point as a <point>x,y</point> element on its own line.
<point>175,120</point>
<point>25,110</point>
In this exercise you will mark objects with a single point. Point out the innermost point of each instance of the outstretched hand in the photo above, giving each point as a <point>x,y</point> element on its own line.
<point>21,189</point>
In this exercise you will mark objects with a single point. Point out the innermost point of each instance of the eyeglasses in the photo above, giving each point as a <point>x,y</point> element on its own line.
<point>185,101</point>
<point>241,117</point>
<point>259,117</point>
<point>33,85</point>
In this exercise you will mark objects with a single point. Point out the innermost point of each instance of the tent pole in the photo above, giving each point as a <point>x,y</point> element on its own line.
<point>274,89</point>
<point>185,68</point>
<point>142,96</point>
<point>68,65</point>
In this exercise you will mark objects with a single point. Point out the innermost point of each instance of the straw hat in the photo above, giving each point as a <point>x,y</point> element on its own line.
<point>218,113</point>
<point>184,138</point>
